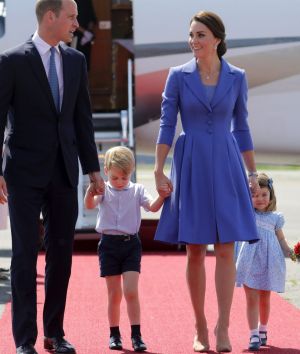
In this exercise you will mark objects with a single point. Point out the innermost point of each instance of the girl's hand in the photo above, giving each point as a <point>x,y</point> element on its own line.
<point>292,255</point>
<point>164,186</point>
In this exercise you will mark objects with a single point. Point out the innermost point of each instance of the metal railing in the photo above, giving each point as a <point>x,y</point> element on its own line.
<point>130,105</point>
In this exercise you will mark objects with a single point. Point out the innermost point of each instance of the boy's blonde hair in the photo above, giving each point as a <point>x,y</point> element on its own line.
<point>120,157</point>
<point>265,181</point>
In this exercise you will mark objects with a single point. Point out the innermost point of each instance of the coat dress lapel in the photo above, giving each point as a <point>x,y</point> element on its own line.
<point>226,79</point>
<point>192,79</point>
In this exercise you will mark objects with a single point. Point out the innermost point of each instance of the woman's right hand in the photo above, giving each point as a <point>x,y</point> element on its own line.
<point>164,185</point>
<point>253,184</point>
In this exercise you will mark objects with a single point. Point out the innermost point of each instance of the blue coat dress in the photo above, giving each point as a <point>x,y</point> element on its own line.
<point>211,201</point>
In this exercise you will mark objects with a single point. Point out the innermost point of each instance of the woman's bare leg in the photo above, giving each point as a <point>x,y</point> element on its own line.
<point>196,280</point>
<point>224,280</point>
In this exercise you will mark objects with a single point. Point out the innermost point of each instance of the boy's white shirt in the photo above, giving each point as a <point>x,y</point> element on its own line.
<point>120,210</point>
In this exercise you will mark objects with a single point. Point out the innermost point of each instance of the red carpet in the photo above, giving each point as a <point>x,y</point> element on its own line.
<point>167,321</point>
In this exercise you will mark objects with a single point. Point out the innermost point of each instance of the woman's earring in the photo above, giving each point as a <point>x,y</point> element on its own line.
<point>216,46</point>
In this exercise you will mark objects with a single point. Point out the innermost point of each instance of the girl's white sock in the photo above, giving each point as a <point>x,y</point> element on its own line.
<point>254,332</point>
<point>262,328</point>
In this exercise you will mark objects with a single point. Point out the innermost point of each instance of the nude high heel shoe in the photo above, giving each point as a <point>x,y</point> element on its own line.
<point>223,345</point>
<point>201,345</point>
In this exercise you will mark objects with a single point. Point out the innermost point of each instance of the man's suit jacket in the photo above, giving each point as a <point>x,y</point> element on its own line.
<point>35,129</point>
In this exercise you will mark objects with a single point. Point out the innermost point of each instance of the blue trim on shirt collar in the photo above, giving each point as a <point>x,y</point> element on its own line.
<point>119,190</point>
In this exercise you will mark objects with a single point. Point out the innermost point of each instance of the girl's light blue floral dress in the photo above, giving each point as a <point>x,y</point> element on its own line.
<point>261,265</point>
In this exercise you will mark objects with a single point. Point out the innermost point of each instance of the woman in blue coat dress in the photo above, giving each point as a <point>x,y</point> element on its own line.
<point>210,201</point>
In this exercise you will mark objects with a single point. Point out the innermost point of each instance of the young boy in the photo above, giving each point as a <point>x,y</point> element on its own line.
<point>118,222</point>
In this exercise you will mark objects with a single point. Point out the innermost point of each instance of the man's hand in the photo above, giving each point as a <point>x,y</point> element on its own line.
<point>97,186</point>
<point>3,191</point>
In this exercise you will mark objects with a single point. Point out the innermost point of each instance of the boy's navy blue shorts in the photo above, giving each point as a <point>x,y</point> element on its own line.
<point>119,254</point>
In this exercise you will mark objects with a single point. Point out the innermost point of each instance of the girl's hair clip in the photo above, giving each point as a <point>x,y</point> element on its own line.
<point>270,183</point>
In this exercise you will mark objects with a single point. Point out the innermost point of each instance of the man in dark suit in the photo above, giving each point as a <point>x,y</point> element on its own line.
<point>45,107</point>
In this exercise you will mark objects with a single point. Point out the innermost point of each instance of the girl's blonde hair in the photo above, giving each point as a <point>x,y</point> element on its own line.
<point>267,182</point>
<point>120,157</point>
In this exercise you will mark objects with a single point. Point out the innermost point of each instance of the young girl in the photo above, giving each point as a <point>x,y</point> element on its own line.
<point>118,222</point>
<point>261,265</point>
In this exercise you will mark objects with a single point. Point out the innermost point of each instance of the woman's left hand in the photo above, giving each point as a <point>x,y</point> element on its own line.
<point>164,185</point>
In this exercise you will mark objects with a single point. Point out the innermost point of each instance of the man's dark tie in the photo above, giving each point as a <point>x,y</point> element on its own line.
<point>53,79</point>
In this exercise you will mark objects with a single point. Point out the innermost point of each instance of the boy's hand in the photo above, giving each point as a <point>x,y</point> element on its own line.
<point>96,188</point>
<point>165,190</point>
<point>90,190</point>
<point>164,185</point>
<point>97,184</point>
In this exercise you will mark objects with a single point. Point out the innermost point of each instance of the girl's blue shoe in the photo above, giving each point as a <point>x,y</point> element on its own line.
<point>255,343</point>
<point>263,337</point>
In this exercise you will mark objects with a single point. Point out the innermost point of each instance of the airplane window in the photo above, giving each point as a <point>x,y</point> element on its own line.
<point>2,17</point>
